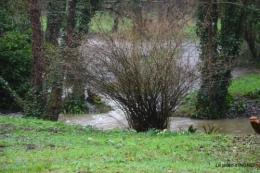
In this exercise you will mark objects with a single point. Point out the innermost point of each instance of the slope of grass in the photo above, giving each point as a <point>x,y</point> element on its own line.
<point>29,145</point>
<point>104,21</point>
<point>44,22</point>
<point>101,21</point>
<point>245,84</point>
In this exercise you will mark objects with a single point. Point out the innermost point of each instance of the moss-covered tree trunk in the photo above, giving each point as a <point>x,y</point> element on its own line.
<point>38,100</point>
<point>251,27</point>
<point>208,95</point>
<point>250,37</point>
<point>137,10</point>
<point>55,17</point>
<point>219,47</point>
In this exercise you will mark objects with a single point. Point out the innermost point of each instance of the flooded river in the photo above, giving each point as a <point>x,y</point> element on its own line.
<point>116,118</point>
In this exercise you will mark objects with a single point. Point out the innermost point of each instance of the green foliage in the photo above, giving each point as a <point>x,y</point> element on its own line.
<point>74,104</point>
<point>103,108</point>
<point>236,108</point>
<point>231,31</point>
<point>34,107</point>
<point>212,105</point>
<point>13,17</point>
<point>188,105</point>
<point>255,94</point>
<point>191,129</point>
<point>15,66</point>
<point>211,130</point>
<point>15,53</point>
<point>84,12</point>
<point>95,99</point>
<point>229,99</point>
<point>36,103</point>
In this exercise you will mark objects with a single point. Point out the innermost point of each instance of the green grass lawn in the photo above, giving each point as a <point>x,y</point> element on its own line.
<point>104,21</point>
<point>101,21</point>
<point>29,145</point>
<point>44,22</point>
<point>245,84</point>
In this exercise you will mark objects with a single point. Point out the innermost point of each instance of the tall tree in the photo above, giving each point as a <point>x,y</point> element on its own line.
<point>76,21</point>
<point>37,44</point>
<point>55,17</point>
<point>219,47</point>
<point>38,72</point>
<point>207,31</point>
<point>251,27</point>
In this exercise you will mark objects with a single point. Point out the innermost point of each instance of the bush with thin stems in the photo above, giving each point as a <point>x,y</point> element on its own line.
<point>144,69</point>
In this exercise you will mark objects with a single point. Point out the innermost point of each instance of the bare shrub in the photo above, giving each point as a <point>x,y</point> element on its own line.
<point>144,69</point>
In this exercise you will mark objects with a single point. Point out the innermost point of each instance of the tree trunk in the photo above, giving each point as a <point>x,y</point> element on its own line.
<point>37,44</point>
<point>53,108</point>
<point>116,22</point>
<point>56,11</point>
<point>250,36</point>
<point>217,63</point>
<point>70,22</point>
<point>55,17</point>
<point>137,18</point>
<point>4,84</point>
<point>207,104</point>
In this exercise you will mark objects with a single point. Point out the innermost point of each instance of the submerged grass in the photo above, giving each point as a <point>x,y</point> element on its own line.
<point>29,145</point>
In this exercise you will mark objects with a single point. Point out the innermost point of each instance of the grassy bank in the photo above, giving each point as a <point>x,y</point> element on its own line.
<point>104,21</point>
<point>244,90</point>
<point>244,85</point>
<point>28,145</point>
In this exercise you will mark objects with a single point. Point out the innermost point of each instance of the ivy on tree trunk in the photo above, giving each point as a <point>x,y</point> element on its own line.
<point>219,47</point>
<point>55,16</point>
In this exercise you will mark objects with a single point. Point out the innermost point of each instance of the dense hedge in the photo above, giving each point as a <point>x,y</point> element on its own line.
<point>15,66</point>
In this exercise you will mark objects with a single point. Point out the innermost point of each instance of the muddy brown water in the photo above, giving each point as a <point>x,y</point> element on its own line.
<point>115,119</point>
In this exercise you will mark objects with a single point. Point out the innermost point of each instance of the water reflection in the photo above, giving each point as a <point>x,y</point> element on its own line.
<point>115,119</point>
